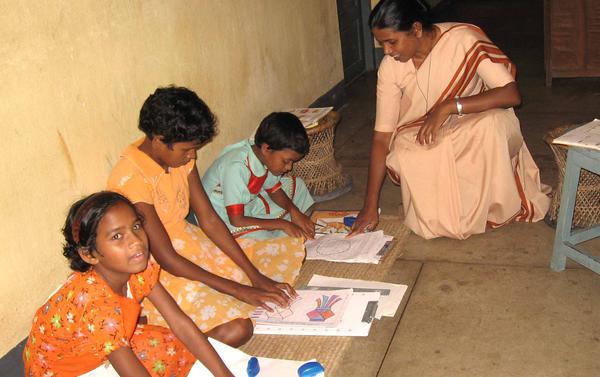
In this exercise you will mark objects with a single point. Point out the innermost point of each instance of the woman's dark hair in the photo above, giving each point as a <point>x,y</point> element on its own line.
<point>400,15</point>
<point>282,131</point>
<point>82,224</point>
<point>178,115</point>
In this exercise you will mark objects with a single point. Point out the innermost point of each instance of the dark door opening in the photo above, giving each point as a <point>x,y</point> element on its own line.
<point>355,38</point>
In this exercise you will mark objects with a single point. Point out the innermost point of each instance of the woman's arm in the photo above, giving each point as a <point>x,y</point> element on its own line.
<point>163,251</point>
<point>368,218</point>
<point>217,232</point>
<point>497,98</point>
<point>126,363</point>
<point>186,331</point>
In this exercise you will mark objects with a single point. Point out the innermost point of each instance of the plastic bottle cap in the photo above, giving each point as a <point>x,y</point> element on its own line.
<point>349,221</point>
<point>311,369</point>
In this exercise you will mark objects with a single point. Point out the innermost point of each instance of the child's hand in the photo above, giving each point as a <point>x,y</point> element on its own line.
<point>305,223</point>
<point>292,229</point>
<point>259,297</point>
<point>269,285</point>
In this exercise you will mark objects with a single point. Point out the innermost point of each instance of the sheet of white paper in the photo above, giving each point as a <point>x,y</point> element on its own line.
<point>586,136</point>
<point>351,324</point>
<point>237,362</point>
<point>362,248</point>
<point>391,294</point>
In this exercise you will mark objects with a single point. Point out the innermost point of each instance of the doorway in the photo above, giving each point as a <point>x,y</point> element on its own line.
<point>358,55</point>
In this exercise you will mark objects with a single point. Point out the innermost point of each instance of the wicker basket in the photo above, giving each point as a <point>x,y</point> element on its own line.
<point>319,169</point>
<point>587,202</point>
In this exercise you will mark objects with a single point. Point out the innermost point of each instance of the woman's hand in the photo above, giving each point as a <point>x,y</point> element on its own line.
<point>366,221</point>
<point>304,223</point>
<point>259,297</point>
<point>428,133</point>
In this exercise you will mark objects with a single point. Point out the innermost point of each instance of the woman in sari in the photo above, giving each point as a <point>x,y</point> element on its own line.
<point>445,129</point>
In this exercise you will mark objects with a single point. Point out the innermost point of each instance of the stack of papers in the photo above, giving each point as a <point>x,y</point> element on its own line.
<point>362,248</point>
<point>390,294</point>
<point>310,116</point>
<point>586,136</point>
<point>331,312</point>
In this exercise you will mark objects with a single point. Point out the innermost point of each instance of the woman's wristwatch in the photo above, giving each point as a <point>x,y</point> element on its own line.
<point>459,106</point>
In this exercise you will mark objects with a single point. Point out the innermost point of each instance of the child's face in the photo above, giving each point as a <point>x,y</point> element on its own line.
<point>121,243</point>
<point>178,154</point>
<point>280,162</point>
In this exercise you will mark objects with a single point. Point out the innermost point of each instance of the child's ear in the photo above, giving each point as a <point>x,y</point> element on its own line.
<point>157,140</point>
<point>264,148</point>
<point>86,254</point>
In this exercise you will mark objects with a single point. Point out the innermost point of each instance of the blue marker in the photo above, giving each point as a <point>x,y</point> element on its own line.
<point>253,368</point>
<point>311,369</point>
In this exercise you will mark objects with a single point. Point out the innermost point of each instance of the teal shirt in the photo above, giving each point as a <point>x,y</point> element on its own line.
<point>238,181</point>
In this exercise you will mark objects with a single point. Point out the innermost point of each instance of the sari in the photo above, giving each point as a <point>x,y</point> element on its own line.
<point>479,173</point>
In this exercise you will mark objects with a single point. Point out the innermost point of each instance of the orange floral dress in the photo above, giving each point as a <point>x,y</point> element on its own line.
<point>142,180</point>
<point>84,321</point>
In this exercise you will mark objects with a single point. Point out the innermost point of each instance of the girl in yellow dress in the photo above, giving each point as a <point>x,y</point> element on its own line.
<point>213,278</point>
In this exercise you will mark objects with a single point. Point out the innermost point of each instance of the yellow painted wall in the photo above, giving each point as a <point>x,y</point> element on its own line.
<point>74,75</point>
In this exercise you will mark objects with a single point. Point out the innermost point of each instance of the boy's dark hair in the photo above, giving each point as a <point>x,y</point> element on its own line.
<point>178,115</point>
<point>282,131</point>
<point>400,15</point>
<point>82,224</point>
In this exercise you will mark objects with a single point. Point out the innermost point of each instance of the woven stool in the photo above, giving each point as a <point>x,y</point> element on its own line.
<point>587,203</point>
<point>319,169</point>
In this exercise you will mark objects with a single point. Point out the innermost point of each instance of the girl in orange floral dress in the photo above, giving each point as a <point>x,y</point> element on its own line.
<point>89,325</point>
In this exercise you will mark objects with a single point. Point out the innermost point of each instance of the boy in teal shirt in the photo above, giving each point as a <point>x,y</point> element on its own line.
<point>246,187</point>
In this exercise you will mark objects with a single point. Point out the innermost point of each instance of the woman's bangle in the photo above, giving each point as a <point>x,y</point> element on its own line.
<point>459,106</point>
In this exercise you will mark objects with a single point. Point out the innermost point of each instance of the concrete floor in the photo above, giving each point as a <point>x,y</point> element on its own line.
<point>489,305</point>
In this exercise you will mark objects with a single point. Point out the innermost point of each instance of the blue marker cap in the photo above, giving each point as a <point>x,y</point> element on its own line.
<point>253,367</point>
<point>311,369</point>
<point>349,221</point>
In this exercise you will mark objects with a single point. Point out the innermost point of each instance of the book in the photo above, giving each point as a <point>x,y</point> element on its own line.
<point>328,222</point>
<point>310,116</point>
<point>585,136</point>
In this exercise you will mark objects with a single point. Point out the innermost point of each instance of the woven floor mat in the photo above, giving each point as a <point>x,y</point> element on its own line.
<point>328,349</point>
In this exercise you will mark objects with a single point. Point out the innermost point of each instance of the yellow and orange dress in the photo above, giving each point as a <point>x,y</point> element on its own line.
<point>84,321</point>
<point>142,180</point>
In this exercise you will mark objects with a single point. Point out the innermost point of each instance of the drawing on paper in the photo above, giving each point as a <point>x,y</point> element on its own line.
<point>318,308</point>
<point>323,311</point>
<point>279,313</point>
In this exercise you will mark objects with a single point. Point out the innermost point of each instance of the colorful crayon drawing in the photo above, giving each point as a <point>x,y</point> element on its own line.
<point>323,310</point>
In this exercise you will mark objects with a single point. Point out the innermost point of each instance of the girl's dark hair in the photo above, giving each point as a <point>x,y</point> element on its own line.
<point>82,224</point>
<point>400,15</point>
<point>282,131</point>
<point>178,115</point>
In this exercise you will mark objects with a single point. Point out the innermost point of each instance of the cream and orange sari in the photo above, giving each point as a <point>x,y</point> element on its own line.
<point>479,173</point>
